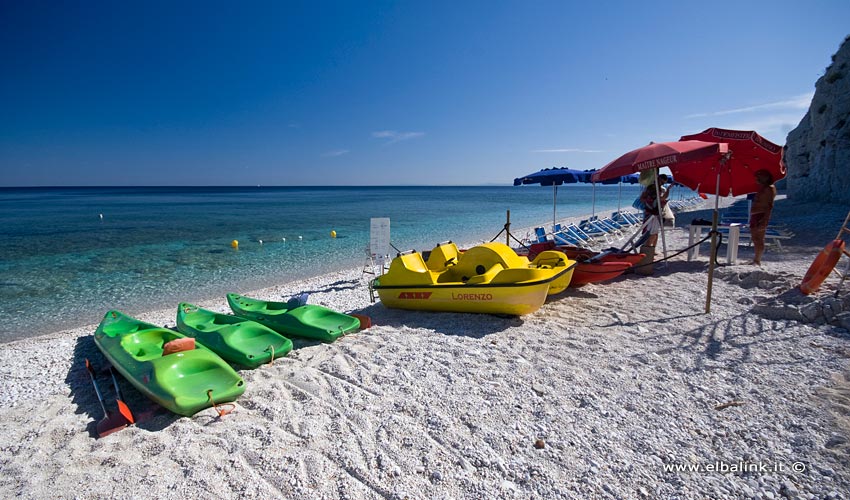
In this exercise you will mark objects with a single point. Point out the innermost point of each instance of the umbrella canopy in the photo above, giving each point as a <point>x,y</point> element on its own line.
<point>750,152</point>
<point>553,177</point>
<point>660,154</point>
<point>612,180</point>
<point>631,178</point>
<point>733,175</point>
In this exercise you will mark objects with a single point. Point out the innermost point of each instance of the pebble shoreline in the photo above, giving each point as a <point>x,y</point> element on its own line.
<point>603,393</point>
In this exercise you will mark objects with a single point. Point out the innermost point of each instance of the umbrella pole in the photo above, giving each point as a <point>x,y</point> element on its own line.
<point>554,199</point>
<point>619,193</point>
<point>594,199</point>
<point>660,216</point>
<point>713,245</point>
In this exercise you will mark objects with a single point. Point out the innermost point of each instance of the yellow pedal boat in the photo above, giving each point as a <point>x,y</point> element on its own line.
<point>489,278</point>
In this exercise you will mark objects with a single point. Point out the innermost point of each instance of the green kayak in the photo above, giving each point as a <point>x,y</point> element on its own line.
<point>235,339</point>
<point>292,318</point>
<point>184,382</point>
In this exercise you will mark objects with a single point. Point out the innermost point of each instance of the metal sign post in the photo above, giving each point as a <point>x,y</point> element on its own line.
<point>379,241</point>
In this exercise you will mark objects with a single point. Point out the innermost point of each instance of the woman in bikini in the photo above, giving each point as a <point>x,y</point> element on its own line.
<point>760,212</point>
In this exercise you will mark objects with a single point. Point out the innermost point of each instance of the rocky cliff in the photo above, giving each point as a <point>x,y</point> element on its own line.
<point>818,151</point>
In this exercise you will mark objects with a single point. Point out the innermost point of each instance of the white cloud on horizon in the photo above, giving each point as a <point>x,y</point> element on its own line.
<point>337,152</point>
<point>800,102</point>
<point>567,150</point>
<point>393,136</point>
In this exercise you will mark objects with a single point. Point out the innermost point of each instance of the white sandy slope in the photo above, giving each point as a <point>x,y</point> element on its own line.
<point>616,381</point>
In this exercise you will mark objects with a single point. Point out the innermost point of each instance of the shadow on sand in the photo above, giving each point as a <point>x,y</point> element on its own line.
<point>447,323</point>
<point>148,415</point>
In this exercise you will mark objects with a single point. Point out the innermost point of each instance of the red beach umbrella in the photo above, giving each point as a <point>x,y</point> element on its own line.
<point>732,175</point>
<point>750,152</point>
<point>675,155</point>
<point>661,154</point>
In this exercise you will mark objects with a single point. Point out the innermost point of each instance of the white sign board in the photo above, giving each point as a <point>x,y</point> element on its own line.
<point>379,239</point>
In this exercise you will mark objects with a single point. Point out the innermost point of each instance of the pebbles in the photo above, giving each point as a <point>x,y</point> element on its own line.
<point>563,403</point>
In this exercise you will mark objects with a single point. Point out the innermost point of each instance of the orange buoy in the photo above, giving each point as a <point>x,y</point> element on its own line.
<point>823,265</point>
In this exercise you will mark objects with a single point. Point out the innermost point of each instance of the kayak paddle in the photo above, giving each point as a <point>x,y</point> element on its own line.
<point>111,422</point>
<point>123,409</point>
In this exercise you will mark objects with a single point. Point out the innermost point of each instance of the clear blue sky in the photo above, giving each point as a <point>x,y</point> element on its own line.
<point>374,93</point>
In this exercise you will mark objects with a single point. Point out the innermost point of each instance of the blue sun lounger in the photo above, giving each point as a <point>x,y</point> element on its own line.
<point>597,230</point>
<point>573,234</point>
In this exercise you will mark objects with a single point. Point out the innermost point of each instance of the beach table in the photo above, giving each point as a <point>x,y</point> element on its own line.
<point>733,236</point>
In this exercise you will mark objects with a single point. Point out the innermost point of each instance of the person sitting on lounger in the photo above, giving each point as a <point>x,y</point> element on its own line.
<point>760,212</point>
<point>649,198</point>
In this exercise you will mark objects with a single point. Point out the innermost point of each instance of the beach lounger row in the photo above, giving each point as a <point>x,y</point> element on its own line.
<point>569,235</point>
<point>606,228</point>
<point>772,236</point>
<point>739,213</point>
<point>589,233</point>
<point>686,204</point>
<point>627,218</point>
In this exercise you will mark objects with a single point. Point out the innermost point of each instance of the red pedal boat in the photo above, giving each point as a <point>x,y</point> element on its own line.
<point>593,267</point>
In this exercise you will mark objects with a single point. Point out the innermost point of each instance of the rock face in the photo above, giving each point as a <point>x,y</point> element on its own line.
<point>818,151</point>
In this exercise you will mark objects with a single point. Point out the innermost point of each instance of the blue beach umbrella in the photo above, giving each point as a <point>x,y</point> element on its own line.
<point>554,177</point>
<point>613,180</point>
<point>625,179</point>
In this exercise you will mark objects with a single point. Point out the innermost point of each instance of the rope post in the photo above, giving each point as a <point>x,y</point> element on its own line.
<point>711,265</point>
<point>508,230</point>
<point>714,234</point>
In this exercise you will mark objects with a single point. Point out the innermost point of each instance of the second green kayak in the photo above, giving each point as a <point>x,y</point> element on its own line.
<point>235,339</point>
<point>291,318</point>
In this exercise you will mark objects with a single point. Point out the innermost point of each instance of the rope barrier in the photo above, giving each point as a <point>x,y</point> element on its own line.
<point>499,234</point>
<point>680,252</point>
<point>511,236</point>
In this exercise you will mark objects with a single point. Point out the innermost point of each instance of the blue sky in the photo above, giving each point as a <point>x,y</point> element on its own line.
<point>384,93</point>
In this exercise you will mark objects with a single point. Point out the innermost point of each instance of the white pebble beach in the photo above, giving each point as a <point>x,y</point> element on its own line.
<point>624,389</point>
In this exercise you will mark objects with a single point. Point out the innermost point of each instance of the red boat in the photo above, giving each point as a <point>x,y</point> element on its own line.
<point>593,267</point>
<point>595,272</point>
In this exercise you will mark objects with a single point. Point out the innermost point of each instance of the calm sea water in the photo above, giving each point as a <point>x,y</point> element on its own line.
<point>62,265</point>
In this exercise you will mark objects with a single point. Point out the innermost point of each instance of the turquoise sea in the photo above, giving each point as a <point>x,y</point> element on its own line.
<point>62,265</point>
